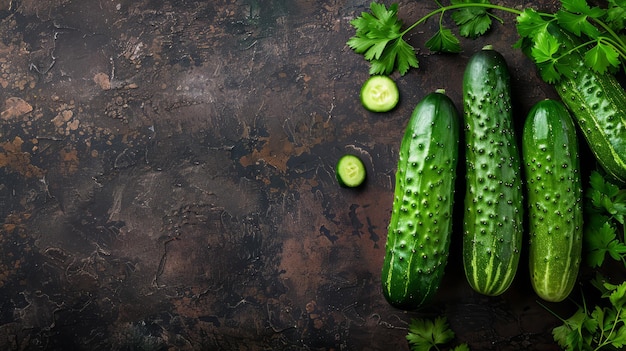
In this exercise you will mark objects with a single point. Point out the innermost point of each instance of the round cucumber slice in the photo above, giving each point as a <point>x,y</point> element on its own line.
<point>350,171</point>
<point>379,94</point>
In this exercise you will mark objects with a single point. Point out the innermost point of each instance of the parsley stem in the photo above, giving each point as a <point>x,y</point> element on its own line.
<point>551,312</point>
<point>619,45</point>
<point>499,19</point>
<point>609,336</point>
<point>577,48</point>
<point>615,43</point>
<point>443,9</point>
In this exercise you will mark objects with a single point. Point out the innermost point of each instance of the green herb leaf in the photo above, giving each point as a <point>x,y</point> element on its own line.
<point>576,23</point>
<point>444,41</point>
<point>405,58</point>
<point>601,241</point>
<point>618,296</point>
<point>596,320</point>
<point>560,335</point>
<point>441,331</point>
<point>544,52</point>
<point>608,289</point>
<point>581,7</point>
<point>616,14</point>
<point>606,199</point>
<point>530,22</point>
<point>569,335</point>
<point>602,327</point>
<point>598,183</point>
<point>472,21</point>
<point>619,339</point>
<point>379,35</point>
<point>610,316</point>
<point>424,334</point>
<point>606,211</point>
<point>397,55</point>
<point>548,71</point>
<point>617,250</point>
<point>461,347</point>
<point>379,39</point>
<point>545,48</point>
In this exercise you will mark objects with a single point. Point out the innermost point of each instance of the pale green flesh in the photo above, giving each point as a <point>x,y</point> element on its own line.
<point>350,171</point>
<point>379,94</point>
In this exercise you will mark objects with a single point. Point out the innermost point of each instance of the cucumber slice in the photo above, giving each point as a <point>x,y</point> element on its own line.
<point>379,94</point>
<point>350,171</point>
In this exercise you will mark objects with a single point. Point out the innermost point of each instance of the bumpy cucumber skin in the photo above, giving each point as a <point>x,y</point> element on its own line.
<point>493,218</point>
<point>552,171</point>
<point>420,227</point>
<point>598,105</point>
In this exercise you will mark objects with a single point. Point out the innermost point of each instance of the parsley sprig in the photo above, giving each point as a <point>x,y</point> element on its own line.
<point>600,328</point>
<point>605,227</point>
<point>380,37</point>
<point>426,334</point>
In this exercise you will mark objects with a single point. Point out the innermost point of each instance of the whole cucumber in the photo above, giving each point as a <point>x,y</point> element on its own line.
<point>493,218</point>
<point>598,104</point>
<point>419,231</point>
<point>550,154</point>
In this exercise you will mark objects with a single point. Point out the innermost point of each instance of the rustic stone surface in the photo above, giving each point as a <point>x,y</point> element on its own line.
<point>167,182</point>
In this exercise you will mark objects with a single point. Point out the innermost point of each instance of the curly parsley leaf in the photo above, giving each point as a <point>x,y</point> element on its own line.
<point>620,336</point>
<point>379,35</point>
<point>616,14</point>
<point>425,334</point>
<point>606,211</point>
<point>600,327</point>
<point>618,296</point>
<point>581,7</point>
<point>461,347</point>
<point>398,54</point>
<point>576,23</point>
<point>601,241</point>
<point>472,21</point>
<point>379,39</point>
<point>545,48</point>
<point>597,242</point>
<point>601,186</point>
<point>444,41</point>
<point>569,335</point>
<point>606,198</point>
<point>602,56</point>
<point>530,22</point>
<point>544,52</point>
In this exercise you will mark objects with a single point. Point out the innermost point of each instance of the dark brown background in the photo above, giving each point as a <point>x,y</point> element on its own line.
<point>167,180</point>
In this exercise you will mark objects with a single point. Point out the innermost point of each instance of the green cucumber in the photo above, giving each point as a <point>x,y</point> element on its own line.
<point>379,94</point>
<point>418,239</point>
<point>350,171</point>
<point>598,105</point>
<point>552,172</point>
<point>493,218</point>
